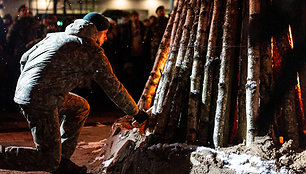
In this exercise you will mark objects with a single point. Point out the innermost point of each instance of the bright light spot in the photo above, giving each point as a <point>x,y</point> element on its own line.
<point>121,3</point>
<point>281,139</point>
<point>59,23</point>
<point>151,3</point>
<point>42,4</point>
<point>290,38</point>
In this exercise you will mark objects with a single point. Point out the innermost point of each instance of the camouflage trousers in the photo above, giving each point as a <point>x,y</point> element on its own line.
<point>55,133</point>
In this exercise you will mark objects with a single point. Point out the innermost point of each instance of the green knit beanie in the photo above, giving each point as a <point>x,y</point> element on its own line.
<point>99,20</point>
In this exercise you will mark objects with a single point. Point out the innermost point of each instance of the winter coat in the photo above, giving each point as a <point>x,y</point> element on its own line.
<point>63,61</point>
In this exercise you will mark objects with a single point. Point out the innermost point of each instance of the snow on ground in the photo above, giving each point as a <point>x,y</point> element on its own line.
<point>240,163</point>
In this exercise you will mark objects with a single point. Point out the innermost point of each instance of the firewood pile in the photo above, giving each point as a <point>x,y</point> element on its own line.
<point>222,74</point>
<point>214,73</point>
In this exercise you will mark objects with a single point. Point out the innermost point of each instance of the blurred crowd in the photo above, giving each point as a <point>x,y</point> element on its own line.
<point>131,48</point>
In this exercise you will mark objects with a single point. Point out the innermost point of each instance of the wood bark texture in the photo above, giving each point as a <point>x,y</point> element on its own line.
<point>220,135</point>
<point>253,71</point>
<point>209,69</point>
<point>168,100</point>
<point>163,85</point>
<point>181,78</point>
<point>170,61</point>
<point>152,82</point>
<point>177,19</point>
<point>241,136</point>
<point>291,124</point>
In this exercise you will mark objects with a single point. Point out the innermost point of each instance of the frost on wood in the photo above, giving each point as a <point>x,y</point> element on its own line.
<point>194,104</point>
<point>171,58</point>
<point>220,134</point>
<point>252,90</point>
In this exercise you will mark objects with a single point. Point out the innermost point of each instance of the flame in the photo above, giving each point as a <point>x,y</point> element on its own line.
<point>298,88</point>
<point>290,38</point>
<point>272,52</point>
<point>299,93</point>
<point>281,139</point>
<point>156,76</point>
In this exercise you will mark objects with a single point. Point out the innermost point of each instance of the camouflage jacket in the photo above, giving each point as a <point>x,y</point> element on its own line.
<point>64,60</point>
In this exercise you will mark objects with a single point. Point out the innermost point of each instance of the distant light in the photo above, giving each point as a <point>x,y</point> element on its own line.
<point>121,3</point>
<point>151,3</point>
<point>59,23</point>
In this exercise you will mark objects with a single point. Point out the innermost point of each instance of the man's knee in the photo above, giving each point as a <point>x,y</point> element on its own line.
<point>75,105</point>
<point>85,108</point>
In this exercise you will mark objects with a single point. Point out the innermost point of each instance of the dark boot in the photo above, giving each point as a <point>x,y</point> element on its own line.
<point>68,167</point>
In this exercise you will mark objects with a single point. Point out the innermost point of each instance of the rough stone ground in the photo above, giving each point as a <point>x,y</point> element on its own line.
<point>122,155</point>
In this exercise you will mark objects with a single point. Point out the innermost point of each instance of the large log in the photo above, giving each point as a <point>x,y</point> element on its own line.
<point>179,84</point>
<point>171,58</point>
<point>252,86</point>
<point>220,135</point>
<point>151,84</point>
<point>209,69</point>
<point>241,134</point>
<point>173,75</point>
<point>166,76</point>
<point>266,69</point>
<point>288,127</point>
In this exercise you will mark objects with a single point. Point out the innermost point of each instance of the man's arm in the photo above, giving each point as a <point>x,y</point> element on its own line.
<point>113,88</point>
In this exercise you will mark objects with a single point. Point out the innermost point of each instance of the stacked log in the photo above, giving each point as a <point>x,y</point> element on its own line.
<point>213,86</point>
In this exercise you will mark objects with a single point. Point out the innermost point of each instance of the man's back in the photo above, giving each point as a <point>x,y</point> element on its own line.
<point>53,67</point>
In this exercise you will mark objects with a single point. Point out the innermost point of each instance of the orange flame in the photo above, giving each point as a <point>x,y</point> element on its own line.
<point>281,139</point>
<point>298,88</point>
<point>299,92</point>
<point>290,38</point>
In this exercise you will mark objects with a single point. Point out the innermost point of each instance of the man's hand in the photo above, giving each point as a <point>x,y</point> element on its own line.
<point>141,116</point>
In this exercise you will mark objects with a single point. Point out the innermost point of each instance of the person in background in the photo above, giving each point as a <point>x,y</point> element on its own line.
<point>52,68</point>
<point>131,40</point>
<point>23,11</point>
<point>147,40</point>
<point>3,72</point>
<point>8,21</point>
<point>23,31</point>
<point>4,26</point>
<point>111,46</point>
<point>48,25</point>
<point>152,19</point>
<point>157,30</point>
<point>125,18</point>
<point>2,36</point>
